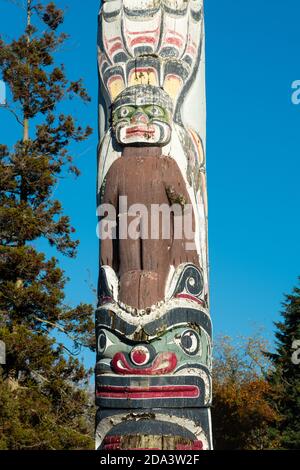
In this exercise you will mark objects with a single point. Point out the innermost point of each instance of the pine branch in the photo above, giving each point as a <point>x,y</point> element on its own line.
<point>13,112</point>
<point>62,330</point>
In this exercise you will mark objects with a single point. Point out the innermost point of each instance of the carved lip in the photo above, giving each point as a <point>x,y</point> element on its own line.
<point>144,393</point>
<point>140,131</point>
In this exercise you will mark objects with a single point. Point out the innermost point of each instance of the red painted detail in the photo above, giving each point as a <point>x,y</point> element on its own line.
<point>111,447</point>
<point>112,439</point>
<point>136,118</point>
<point>162,364</point>
<point>116,47</point>
<point>197,445</point>
<point>175,33</point>
<point>174,41</point>
<point>139,70</point>
<point>191,50</point>
<point>172,75</point>
<point>114,443</point>
<point>190,297</point>
<point>140,131</point>
<point>153,31</point>
<point>142,393</point>
<point>140,355</point>
<point>116,38</point>
<point>113,79</point>
<point>142,39</point>
<point>105,300</point>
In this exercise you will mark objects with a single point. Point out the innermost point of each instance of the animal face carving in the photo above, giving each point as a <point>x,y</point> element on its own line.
<point>142,115</point>
<point>180,345</point>
<point>172,368</point>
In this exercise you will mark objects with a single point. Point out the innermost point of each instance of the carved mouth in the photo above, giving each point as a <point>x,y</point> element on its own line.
<point>140,131</point>
<point>143,393</point>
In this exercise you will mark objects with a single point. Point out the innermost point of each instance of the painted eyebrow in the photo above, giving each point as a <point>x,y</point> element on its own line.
<point>178,316</point>
<point>130,342</point>
<point>174,317</point>
<point>125,106</point>
<point>105,318</point>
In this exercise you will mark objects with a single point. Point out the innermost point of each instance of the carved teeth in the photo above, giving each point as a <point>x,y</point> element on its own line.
<point>140,313</point>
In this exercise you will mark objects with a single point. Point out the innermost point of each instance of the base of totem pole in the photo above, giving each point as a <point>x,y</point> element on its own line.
<point>158,429</point>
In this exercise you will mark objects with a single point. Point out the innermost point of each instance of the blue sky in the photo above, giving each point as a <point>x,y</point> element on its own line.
<point>253,155</point>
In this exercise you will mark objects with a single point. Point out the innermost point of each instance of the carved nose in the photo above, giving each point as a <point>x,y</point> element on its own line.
<point>142,364</point>
<point>139,118</point>
<point>140,355</point>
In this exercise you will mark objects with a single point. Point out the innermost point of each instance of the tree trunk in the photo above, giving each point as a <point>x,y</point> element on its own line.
<point>25,129</point>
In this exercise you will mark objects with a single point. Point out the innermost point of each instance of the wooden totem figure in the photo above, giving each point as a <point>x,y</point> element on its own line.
<point>153,371</point>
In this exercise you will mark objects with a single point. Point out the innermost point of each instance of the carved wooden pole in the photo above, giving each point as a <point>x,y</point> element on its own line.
<point>153,372</point>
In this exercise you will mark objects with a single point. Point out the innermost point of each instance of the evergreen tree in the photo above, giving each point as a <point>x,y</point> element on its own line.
<point>285,377</point>
<point>43,398</point>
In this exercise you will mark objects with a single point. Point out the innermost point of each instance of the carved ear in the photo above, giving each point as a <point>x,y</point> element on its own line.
<point>187,282</point>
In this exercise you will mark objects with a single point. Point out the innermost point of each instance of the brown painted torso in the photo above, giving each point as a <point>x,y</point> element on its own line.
<point>144,176</point>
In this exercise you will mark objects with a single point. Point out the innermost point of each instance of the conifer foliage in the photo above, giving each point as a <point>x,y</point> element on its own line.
<point>285,377</point>
<point>43,404</point>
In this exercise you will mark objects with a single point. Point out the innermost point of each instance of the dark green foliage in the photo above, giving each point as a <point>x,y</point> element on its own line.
<point>285,378</point>
<point>43,399</point>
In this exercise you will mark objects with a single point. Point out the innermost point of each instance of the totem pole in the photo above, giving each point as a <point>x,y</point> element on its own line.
<point>153,371</point>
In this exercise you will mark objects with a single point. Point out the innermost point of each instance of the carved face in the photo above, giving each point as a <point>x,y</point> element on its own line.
<point>148,124</point>
<point>172,369</point>
<point>179,346</point>
<point>160,359</point>
<point>142,115</point>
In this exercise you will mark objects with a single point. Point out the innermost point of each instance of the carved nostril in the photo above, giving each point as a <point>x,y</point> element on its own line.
<point>139,117</point>
<point>140,355</point>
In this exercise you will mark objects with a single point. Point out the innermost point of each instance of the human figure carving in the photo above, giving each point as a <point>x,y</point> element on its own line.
<point>146,177</point>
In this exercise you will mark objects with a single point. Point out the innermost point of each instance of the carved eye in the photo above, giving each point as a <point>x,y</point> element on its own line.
<point>103,342</point>
<point>155,111</point>
<point>124,112</point>
<point>190,342</point>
